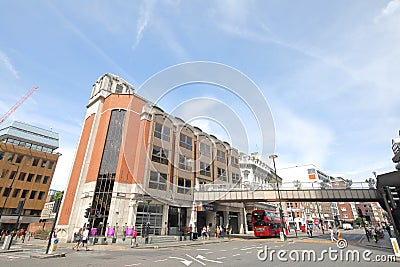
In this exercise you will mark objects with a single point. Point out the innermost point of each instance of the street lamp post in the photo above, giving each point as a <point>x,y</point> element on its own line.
<point>273,157</point>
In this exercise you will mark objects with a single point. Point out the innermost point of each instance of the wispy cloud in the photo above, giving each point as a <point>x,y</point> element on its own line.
<point>146,11</point>
<point>390,9</point>
<point>7,63</point>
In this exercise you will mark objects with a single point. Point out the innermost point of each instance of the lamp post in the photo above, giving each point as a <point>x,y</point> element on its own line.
<point>273,157</point>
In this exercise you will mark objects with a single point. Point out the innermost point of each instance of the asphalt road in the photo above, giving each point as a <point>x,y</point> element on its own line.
<point>237,252</point>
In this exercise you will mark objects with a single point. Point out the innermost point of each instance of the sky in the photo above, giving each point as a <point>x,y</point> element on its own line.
<point>328,70</point>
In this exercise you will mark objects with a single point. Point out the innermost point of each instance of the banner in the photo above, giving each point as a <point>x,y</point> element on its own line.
<point>129,231</point>
<point>110,231</point>
<point>93,231</point>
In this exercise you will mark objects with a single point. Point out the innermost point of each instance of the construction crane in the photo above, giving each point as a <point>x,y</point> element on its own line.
<point>19,103</point>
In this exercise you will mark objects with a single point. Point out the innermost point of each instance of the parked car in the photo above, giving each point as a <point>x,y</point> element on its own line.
<point>347,226</point>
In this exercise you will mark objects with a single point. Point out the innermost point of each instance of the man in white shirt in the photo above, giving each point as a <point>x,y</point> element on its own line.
<point>85,237</point>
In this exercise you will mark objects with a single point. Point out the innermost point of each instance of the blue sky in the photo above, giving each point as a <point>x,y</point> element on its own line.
<point>329,70</point>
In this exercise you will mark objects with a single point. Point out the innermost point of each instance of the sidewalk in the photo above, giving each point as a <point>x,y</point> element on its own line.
<point>384,243</point>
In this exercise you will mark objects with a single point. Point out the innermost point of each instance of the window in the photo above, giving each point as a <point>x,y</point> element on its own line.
<point>43,165</point>
<point>6,192</point>
<point>38,178</point>
<point>205,149</point>
<point>33,194</point>
<point>19,158</point>
<point>184,186</point>
<point>185,141</point>
<point>4,173</point>
<point>221,156</point>
<point>234,161</point>
<point>205,169</point>
<point>30,177</point>
<point>162,132</point>
<point>221,174</point>
<point>11,157</point>
<point>12,175</point>
<point>160,155</point>
<point>16,192</point>
<point>158,181</point>
<point>344,209</point>
<point>24,193</point>
<point>35,162</point>
<point>22,176</point>
<point>41,195</point>
<point>2,155</point>
<point>235,178</point>
<point>46,179</point>
<point>185,163</point>
<point>118,89</point>
<point>345,216</point>
<point>51,164</point>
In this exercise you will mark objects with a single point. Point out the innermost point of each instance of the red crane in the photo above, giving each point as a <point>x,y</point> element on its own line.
<point>19,103</point>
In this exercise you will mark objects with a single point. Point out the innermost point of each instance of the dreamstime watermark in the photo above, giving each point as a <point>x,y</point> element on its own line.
<point>330,254</point>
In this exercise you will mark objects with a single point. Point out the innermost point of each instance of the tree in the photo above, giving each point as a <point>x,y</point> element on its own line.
<point>371,183</point>
<point>297,184</point>
<point>348,183</point>
<point>324,183</point>
<point>57,195</point>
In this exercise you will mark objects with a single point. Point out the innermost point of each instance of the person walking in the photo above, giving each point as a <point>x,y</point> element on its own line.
<point>78,239</point>
<point>208,232</point>
<point>374,234</point>
<point>388,230</point>
<point>333,239</point>
<point>218,231</point>
<point>85,237</point>
<point>134,236</point>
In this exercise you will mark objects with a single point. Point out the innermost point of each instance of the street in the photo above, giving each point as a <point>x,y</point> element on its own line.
<point>301,251</point>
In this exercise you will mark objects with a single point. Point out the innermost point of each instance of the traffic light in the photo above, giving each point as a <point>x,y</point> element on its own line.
<point>56,205</point>
<point>392,196</point>
<point>87,213</point>
<point>360,213</point>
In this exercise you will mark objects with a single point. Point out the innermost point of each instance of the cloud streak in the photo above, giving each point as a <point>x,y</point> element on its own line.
<point>389,10</point>
<point>7,63</point>
<point>146,11</point>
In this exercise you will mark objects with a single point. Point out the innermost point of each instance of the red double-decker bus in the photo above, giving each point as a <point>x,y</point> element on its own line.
<point>266,223</point>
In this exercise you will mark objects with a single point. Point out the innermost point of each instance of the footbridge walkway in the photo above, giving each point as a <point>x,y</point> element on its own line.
<point>358,192</point>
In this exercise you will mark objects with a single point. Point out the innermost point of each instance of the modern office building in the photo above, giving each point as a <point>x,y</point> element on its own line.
<point>135,164</point>
<point>27,164</point>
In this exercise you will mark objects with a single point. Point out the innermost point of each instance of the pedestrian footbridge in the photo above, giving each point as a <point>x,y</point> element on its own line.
<point>241,193</point>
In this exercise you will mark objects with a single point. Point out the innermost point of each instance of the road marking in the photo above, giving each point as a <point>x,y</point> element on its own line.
<point>203,249</point>
<point>202,263</point>
<point>234,248</point>
<point>184,261</point>
<point>205,259</point>
<point>209,252</point>
<point>221,258</point>
<point>133,264</point>
<point>160,260</point>
<point>249,252</point>
<point>245,248</point>
<point>222,250</point>
<point>236,255</point>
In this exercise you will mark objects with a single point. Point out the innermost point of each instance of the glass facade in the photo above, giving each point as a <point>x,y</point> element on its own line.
<point>108,167</point>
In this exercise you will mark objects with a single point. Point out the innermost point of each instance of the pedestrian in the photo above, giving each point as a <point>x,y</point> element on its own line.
<point>77,239</point>
<point>208,231</point>
<point>204,232</point>
<point>134,244</point>
<point>333,239</point>
<point>85,237</point>
<point>374,234</point>
<point>388,230</point>
<point>23,233</point>
<point>218,232</point>
<point>339,234</point>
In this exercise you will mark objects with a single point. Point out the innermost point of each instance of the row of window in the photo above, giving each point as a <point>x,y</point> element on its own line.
<point>28,145</point>
<point>17,193</point>
<point>159,181</point>
<point>17,158</point>
<point>163,132</point>
<point>22,175</point>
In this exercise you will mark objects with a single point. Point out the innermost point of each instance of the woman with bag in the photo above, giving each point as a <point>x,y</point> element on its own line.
<point>78,239</point>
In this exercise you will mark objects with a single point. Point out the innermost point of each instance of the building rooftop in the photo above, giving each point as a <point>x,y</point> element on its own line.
<point>26,133</point>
